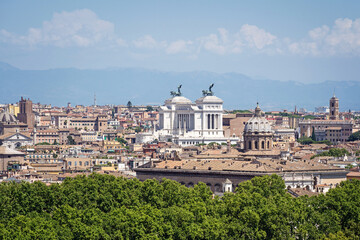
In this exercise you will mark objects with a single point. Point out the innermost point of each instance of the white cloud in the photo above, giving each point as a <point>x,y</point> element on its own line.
<point>248,37</point>
<point>6,36</point>
<point>83,28</point>
<point>224,35</point>
<point>319,33</point>
<point>178,47</point>
<point>256,37</point>
<point>342,38</point>
<point>80,28</point>
<point>148,42</point>
<point>213,43</point>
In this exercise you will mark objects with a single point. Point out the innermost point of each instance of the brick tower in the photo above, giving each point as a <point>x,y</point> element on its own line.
<point>26,114</point>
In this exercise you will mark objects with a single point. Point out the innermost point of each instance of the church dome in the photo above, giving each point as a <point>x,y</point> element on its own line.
<point>7,117</point>
<point>209,99</point>
<point>258,123</point>
<point>178,100</point>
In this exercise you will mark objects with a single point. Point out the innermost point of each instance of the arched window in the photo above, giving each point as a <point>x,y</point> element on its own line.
<point>268,144</point>
<point>249,144</point>
<point>256,145</point>
<point>262,144</point>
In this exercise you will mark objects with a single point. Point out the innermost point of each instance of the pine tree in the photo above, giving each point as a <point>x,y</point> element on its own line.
<point>313,137</point>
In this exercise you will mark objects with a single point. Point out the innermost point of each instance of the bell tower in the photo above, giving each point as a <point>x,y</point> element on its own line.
<point>26,114</point>
<point>334,108</point>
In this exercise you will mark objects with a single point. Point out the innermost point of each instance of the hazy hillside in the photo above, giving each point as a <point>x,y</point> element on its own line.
<point>117,86</point>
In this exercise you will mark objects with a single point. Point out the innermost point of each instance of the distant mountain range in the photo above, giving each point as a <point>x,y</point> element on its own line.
<point>141,86</point>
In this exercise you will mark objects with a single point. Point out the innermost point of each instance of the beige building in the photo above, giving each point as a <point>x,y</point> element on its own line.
<point>334,130</point>
<point>101,123</point>
<point>111,145</point>
<point>10,157</point>
<point>305,174</point>
<point>63,135</point>
<point>77,163</point>
<point>61,120</point>
<point>50,136</point>
<point>89,136</point>
<point>234,124</point>
<point>87,124</point>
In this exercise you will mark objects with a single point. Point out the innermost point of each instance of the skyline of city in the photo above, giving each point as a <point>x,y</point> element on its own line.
<point>167,119</point>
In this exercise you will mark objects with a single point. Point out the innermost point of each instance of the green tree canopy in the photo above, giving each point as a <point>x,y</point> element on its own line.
<point>105,207</point>
<point>149,108</point>
<point>313,136</point>
<point>355,136</point>
<point>121,140</point>
<point>333,152</point>
<point>71,141</point>
<point>129,104</point>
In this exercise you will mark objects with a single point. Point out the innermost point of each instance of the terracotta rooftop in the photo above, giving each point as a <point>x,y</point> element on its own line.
<point>259,165</point>
<point>353,174</point>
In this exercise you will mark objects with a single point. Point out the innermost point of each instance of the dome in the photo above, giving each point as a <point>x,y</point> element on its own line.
<point>178,100</point>
<point>209,99</point>
<point>7,117</point>
<point>258,123</point>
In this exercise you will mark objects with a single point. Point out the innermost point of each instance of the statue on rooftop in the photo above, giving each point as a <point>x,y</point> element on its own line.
<point>178,93</point>
<point>208,92</point>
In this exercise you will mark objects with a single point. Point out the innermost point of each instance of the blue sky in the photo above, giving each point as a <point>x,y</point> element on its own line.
<point>306,41</point>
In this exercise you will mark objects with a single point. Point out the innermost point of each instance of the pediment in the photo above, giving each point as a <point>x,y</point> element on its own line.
<point>18,137</point>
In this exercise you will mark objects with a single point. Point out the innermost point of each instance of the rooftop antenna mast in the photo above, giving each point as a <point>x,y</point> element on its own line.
<point>94,99</point>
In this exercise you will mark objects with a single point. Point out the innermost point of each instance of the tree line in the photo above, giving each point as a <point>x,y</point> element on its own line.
<point>106,207</point>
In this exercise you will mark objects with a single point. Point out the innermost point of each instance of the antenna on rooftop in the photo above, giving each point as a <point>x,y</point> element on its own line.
<point>94,99</point>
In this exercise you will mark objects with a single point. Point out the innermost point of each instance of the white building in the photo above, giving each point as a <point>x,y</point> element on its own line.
<point>114,123</point>
<point>186,123</point>
<point>323,109</point>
